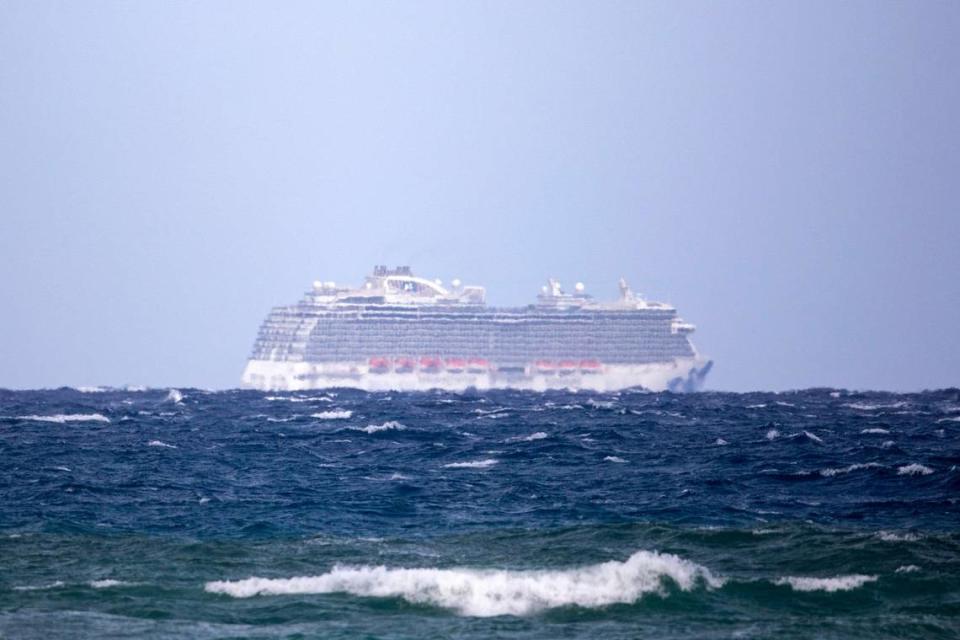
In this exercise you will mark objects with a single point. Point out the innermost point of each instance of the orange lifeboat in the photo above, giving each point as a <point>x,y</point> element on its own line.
<point>403,365</point>
<point>478,365</point>
<point>590,366</point>
<point>430,365</point>
<point>545,366</point>
<point>567,367</point>
<point>379,365</point>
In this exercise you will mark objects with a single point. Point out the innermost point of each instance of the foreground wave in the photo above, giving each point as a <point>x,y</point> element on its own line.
<point>493,592</point>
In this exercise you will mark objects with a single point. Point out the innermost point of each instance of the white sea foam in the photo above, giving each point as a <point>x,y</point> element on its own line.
<point>161,443</point>
<point>474,592</point>
<point>914,470</point>
<point>757,406</point>
<point>399,476</point>
<point>828,473</point>
<point>721,442</point>
<point>539,435</point>
<point>954,419</point>
<point>887,444</point>
<point>62,418</point>
<point>92,389</point>
<point>890,536</point>
<point>474,464</point>
<point>392,425</point>
<point>875,430</point>
<point>908,568</point>
<point>42,587</point>
<point>617,459</point>
<point>837,583</point>
<point>106,584</point>
<point>174,396</point>
<point>336,414</point>
<point>773,434</point>
<point>596,404</point>
<point>813,437</point>
<point>864,406</point>
<point>784,404</point>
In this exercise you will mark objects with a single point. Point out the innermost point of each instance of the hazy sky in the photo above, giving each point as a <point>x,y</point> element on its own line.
<point>787,174</point>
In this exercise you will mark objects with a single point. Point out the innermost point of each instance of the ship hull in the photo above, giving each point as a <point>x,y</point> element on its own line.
<point>681,374</point>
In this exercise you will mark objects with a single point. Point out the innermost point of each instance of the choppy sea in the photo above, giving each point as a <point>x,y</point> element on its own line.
<point>343,514</point>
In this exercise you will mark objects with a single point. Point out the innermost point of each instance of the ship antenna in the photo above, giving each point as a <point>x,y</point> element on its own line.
<point>625,293</point>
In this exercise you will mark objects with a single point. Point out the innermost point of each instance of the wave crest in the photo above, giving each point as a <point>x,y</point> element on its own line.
<point>483,593</point>
<point>62,418</point>
<point>837,583</point>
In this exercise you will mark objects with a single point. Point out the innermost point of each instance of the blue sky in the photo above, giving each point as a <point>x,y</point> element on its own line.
<point>786,173</point>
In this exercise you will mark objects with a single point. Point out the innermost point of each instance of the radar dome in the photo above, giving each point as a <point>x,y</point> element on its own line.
<point>579,287</point>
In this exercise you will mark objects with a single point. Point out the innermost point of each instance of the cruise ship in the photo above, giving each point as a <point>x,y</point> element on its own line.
<point>401,332</point>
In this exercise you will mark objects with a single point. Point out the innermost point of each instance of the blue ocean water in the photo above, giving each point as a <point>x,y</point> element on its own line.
<point>343,514</point>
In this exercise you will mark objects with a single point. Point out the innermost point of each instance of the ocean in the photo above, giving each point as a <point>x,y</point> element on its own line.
<point>343,514</point>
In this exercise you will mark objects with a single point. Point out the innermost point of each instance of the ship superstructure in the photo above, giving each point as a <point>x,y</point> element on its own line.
<point>399,331</point>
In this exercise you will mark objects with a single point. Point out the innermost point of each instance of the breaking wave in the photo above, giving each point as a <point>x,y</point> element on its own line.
<point>914,470</point>
<point>616,459</point>
<point>482,593</point>
<point>474,464</point>
<point>62,418</point>
<point>392,425</point>
<point>161,443</point>
<point>336,414</point>
<point>837,583</point>
<point>174,396</point>
<point>828,473</point>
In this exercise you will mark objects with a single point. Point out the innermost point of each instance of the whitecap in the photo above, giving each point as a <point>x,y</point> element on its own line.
<point>813,437</point>
<point>784,404</point>
<point>106,584</point>
<point>42,587</point>
<point>67,469</point>
<point>756,406</point>
<point>62,418</point>
<point>908,568</point>
<point>875,430</point>
<point>914,470</point>
<point>600,404</point>
<point>391,425</point>
<point>773,434</point>
<point>954,419</point>
<point>837,583</point>
<point>399,476</point>
<point>864,406</point>
<point>828,473</point>
<point>890,536</point>
<point>474,464</point>
<point>721,442</point>
<point>336,414</point>
<point>539,435</point>
<point>477,592</point>
<point>617,459</point>
<point>161,443</point>
<point>92,389</point>
<point>174,396</point>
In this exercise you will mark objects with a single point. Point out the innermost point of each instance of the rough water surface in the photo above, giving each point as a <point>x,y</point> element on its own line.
<point>343,514</point>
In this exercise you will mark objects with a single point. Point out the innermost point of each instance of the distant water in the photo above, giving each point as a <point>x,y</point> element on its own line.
<point>189,514</point>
